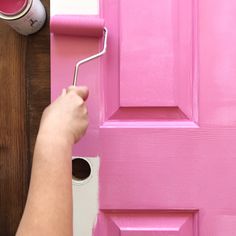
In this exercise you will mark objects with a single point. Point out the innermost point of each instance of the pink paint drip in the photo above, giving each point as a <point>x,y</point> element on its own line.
<point>12,7</point>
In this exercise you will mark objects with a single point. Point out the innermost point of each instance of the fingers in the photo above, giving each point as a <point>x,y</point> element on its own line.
<point>81,91</point>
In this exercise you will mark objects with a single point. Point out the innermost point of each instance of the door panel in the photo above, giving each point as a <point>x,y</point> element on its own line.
<point>149,223</point>
<point>153,47</point>
<point>165,125</point>
<point>146,53</point>
<point>169,156</point>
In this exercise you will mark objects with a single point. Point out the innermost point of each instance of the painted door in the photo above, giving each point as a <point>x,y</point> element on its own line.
<point>162,116</point>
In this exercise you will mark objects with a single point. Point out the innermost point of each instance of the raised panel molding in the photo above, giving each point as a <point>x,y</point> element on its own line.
<point>148,223</point>
<point>150,71</point>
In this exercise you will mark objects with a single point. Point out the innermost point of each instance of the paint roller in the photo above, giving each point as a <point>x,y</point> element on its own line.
<point>81,26</point>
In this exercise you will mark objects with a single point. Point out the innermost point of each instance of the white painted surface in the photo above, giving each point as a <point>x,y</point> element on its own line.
<point>74,7</point>
<point>85,201</point>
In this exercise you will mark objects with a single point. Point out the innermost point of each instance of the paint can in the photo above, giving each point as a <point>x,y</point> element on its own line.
<point>25,16</point>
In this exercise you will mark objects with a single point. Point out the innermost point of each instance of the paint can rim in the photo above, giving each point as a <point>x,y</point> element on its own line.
<point>16,12</point>
<point>19,14</point>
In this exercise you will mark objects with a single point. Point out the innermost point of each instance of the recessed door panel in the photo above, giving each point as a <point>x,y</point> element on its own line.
<point>147,223</point>
<point>150,60</point>
<point>147,43</point>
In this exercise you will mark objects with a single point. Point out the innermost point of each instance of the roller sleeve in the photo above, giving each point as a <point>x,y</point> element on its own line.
<point>84,26</point>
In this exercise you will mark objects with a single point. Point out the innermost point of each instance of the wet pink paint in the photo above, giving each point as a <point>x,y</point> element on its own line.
<point>12,7</point>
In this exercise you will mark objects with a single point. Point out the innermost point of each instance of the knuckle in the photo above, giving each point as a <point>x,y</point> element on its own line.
<point>72,95</point>
<point>80,101</point>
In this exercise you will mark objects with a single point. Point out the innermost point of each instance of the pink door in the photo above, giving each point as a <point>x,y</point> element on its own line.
<point>162,116</point>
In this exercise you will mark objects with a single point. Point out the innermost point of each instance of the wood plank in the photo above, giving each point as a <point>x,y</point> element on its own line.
<point>13,141</point>
<point>37,78</point>
<point>24,81</point>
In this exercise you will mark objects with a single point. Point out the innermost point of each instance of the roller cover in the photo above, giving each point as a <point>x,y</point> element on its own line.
<point>87,26</point>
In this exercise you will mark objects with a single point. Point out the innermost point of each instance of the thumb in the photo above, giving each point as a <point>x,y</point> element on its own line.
<point>81,91</point>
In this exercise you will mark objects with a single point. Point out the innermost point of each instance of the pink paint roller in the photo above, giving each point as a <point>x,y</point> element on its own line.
<point>82,26</point>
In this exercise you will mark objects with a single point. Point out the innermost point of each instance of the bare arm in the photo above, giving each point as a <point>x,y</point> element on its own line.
<point>48,209</point>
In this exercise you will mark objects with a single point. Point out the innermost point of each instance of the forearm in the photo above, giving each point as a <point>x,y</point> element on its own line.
<point>49,205</point>
<point>48,209</point>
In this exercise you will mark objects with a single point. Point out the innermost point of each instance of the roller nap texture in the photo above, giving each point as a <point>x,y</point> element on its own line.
<point>84,26</point>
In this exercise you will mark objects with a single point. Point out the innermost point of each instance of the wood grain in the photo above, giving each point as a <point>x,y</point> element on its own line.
<point>24,81</point>
<point>37,78</point>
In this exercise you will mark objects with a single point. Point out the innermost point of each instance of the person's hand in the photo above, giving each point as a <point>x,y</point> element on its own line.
<point>67,117</point>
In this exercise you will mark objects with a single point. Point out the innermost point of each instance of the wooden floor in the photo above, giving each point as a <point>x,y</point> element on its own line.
<point>24,92</point>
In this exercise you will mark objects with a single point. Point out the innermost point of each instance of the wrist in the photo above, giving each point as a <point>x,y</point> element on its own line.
<point>51,148</point>
<point>58,138</point>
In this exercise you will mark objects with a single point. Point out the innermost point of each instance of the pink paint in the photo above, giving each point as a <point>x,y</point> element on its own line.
<point>66,50</point>
<point>12,7</point>
<point>146,223</point>
<point>83,26</point>
<point>156,58</point>
<point>162,166</point>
